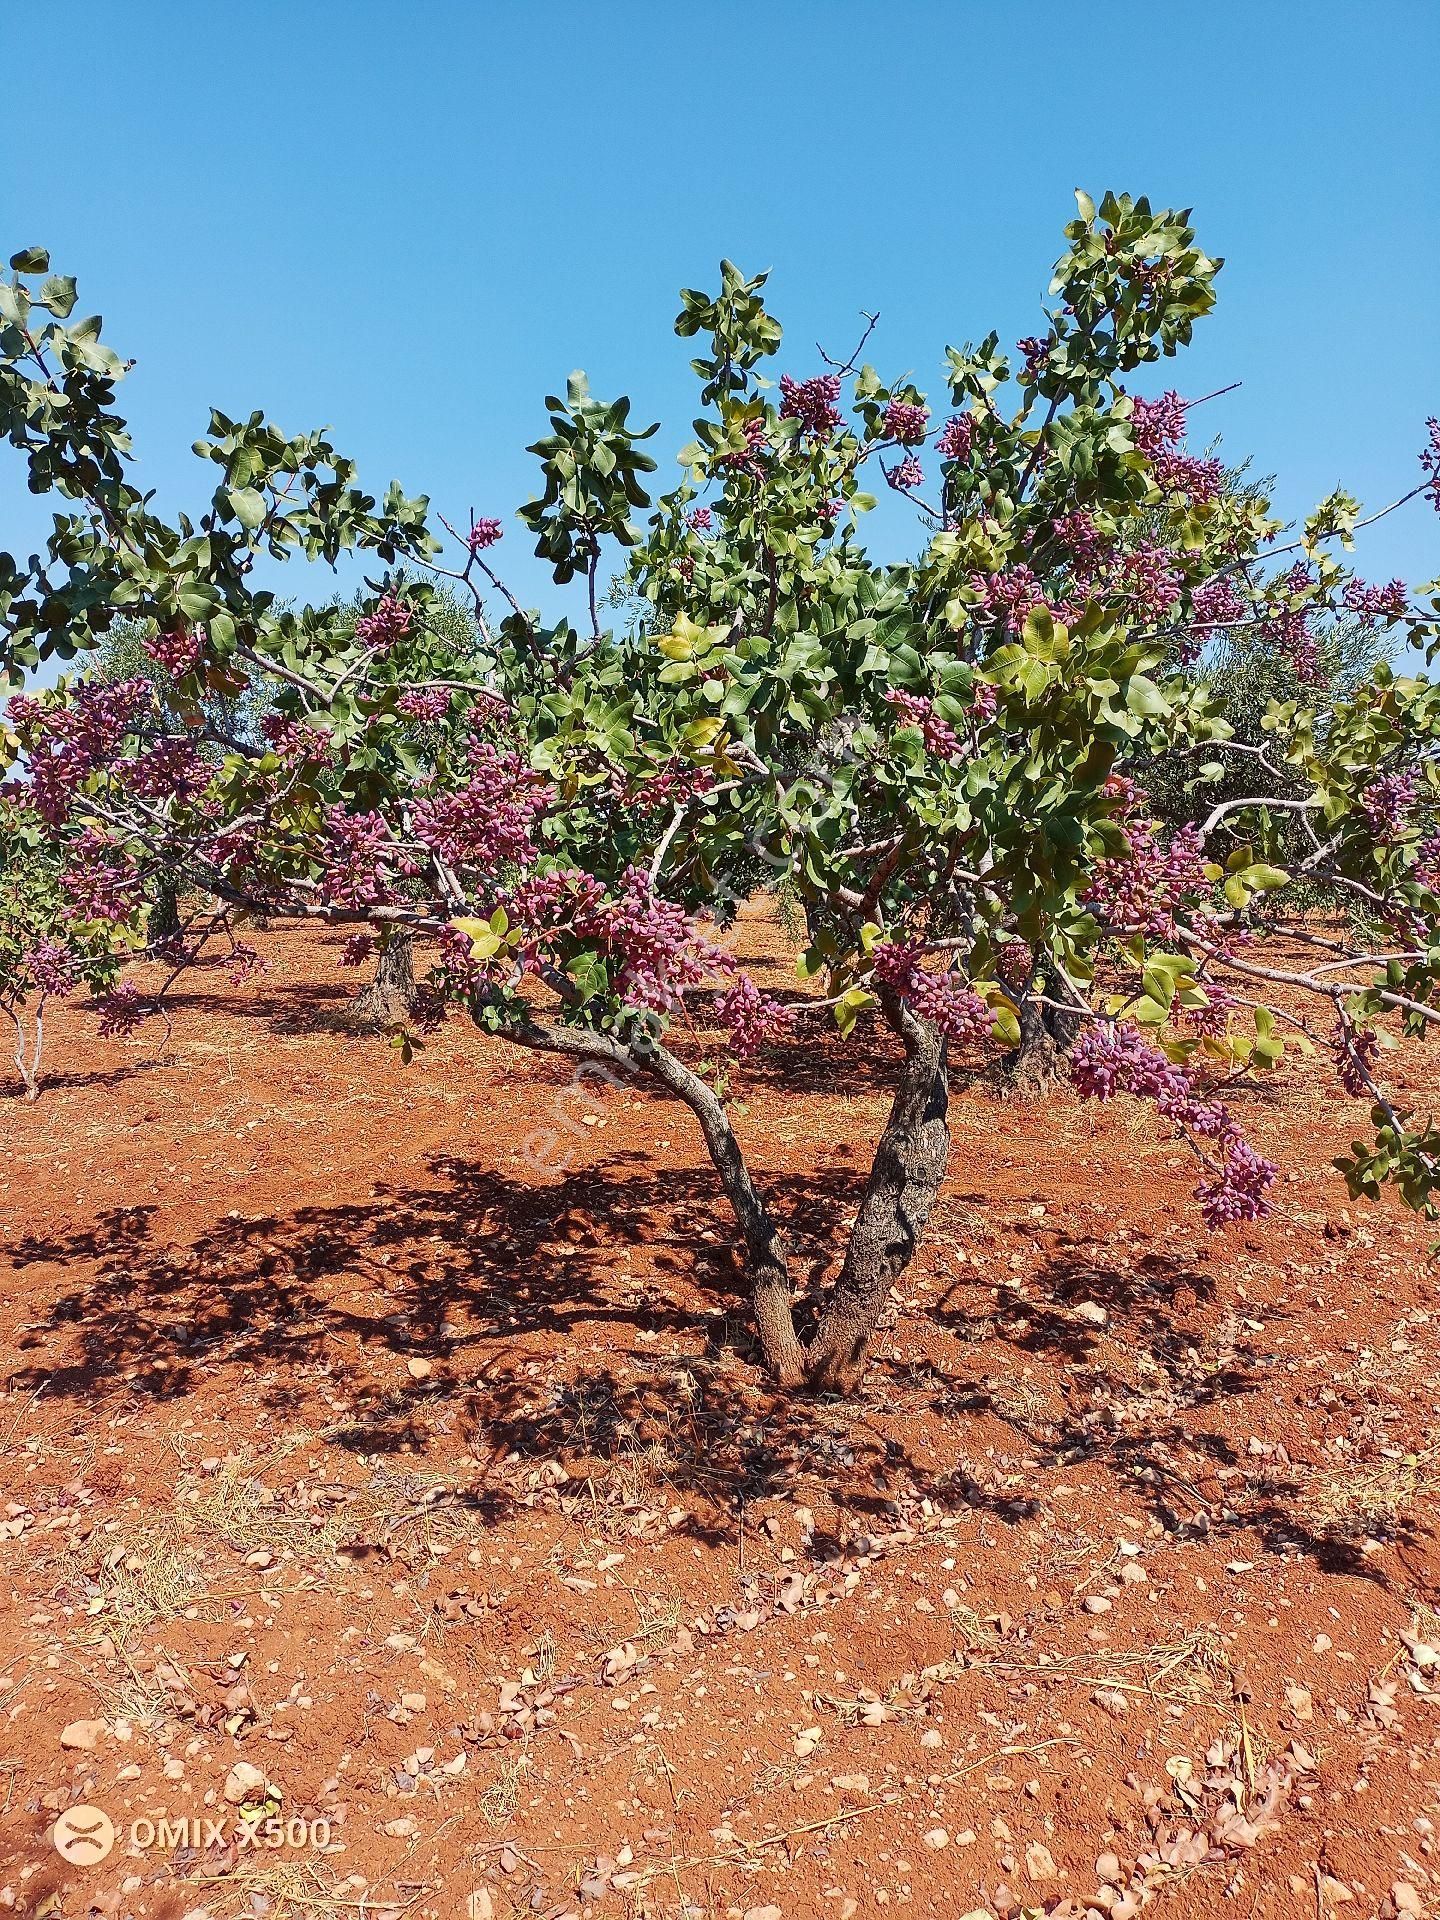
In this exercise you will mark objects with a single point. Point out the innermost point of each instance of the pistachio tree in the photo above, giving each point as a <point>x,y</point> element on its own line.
<point>939,757</point>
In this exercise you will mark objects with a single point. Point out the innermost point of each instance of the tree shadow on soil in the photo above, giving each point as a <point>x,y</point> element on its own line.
<point>53,1082</point>
<point>506,1291</point>
<point>303,1008</point>
<point>541,1312</point>
<point>1145,1392</point>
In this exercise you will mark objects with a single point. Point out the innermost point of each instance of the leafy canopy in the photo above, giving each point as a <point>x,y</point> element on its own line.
<point>945,758</point>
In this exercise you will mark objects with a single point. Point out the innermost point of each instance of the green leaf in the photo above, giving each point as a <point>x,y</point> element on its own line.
<point>1236,892</point>
<point>849,1006</point>
<point>198,600</point>
<point>58,293</point>
<point>1159,984</point>
<point>1144,699</point>
<point>247,505</point>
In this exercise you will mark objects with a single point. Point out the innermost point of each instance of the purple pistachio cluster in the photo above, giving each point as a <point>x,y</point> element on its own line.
<point>957,437</point>
<point>813,402</point>
<point>484,534</point>
<point>359,859</point>
<point>747,459</point>
<point>1288,624</point>
<point>1149,580</point>
<point>908,475</point>
<point>1387,801</point>
<point>1158,426</point>
<point>1356,1049</point>
<point>388,623</point>
<point>984,700</point>
<point>939,736</point>
<point>100,881</point>
<point>121,1011</point>
<point>1108,1059</point>
<point>296,743</point>
<point>1430,464</point>
<point>1086,547</point>
<point>178,651</point>
<point>52,968</point>
<point>427,704</point>
<point>1140,890</point>
<point>752,1018</point>
<point>653,942</point>
<point>906,422</point>
<point>1217,602</point>
<point>489,823</point>
<point>68,745</point>
<point>1389,602</point>
<point>950,1005</point>
<point>1014,591</point>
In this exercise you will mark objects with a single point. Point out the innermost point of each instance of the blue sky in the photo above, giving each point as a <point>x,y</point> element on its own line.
<point>409,223</point>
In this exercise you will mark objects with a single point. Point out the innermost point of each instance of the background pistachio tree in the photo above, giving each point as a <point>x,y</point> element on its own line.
<point>941,758</point>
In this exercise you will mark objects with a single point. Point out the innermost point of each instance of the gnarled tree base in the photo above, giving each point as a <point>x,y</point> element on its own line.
<point>389,1000</point>
<point>1047,1034</point>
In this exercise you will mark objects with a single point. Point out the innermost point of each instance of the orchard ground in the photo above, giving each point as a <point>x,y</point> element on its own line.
<point>434,1488</point>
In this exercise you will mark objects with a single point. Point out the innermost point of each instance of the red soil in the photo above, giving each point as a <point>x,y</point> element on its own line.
<point>340,1440</point>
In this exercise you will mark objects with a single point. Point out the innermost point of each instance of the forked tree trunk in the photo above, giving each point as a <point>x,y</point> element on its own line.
<point>909,1166</point>
<point>389,1000</point>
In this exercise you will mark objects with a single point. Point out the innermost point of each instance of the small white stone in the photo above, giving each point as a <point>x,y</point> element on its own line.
<point>242,1780</point>
<point>82,1735</point>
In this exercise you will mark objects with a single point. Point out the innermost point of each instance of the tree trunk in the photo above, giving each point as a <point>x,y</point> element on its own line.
<point>165,912</point>
<point>1046,1036</point>
<point>765,1263</point>
<point>389,1000</point>
<point>909,1166</point>
<point>29,1066</point>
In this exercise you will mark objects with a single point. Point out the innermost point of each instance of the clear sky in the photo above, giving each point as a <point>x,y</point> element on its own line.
<point>409,222</point>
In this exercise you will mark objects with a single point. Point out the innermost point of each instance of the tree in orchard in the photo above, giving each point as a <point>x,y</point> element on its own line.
<point>391,1002</point>
<point>56,934</point>
<point>938,757</point>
